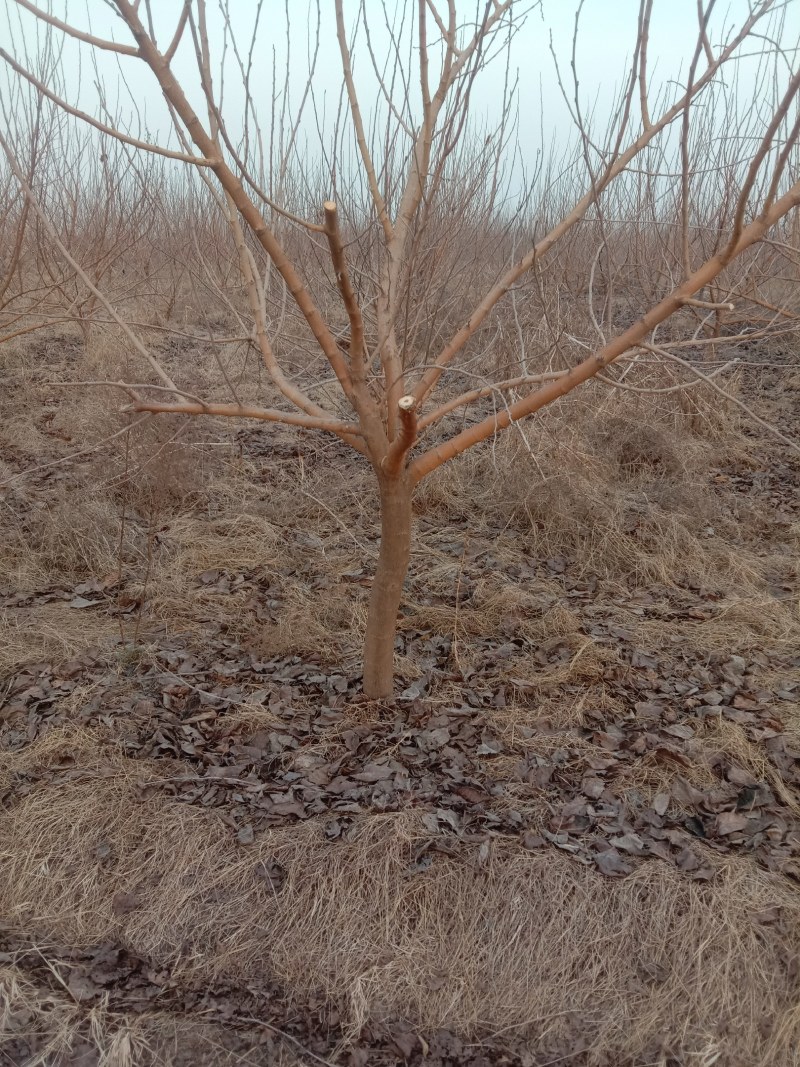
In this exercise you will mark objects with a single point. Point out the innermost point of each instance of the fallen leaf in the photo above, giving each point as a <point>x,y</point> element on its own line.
<point>660,849</point>
<point>746,798</point>
<point>270,872</point>
<point>124,903</point>
<point>611,863</point>
<point>738,776</point>
<point>593,787</point>
<point>610,742</point>
<point>471,794</point>
<point>82,987</point>
<point>646,710</point>
<point>629,843</point>
<point>450,817</point>
<point>103,851</point>
<point>82,602</point>
<point>429,740</point>
<point>768,915</point>
<point>703,874</point>
<point>422,864</point>
<point>651,971</point>
<point>406,1043</point>
<point>661,803</point>
<point>730,822</point>
<point>415,690</point>
<point>374,772</point>
<point>687,860</point>
<point>696,826</point>
<point>433,820</point>
<point>530,840</point>
<point>686,794</point>
<point>734,669</point>
<point>679,730</point>
<point>540,776</point>
<point>289,807</point>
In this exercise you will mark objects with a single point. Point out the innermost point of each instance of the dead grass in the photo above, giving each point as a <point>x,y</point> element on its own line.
<point>644,968</point>
<point>530,943</point>
<point>69,540</point>
<point>63,1031</point>
<point>51,632</point>
<point>59,1024</point>
<point>615,495</point>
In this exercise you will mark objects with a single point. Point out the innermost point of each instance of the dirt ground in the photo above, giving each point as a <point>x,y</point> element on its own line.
<point>574,838</point>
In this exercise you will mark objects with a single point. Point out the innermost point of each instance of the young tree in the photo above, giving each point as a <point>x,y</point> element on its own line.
<point>417,214</point>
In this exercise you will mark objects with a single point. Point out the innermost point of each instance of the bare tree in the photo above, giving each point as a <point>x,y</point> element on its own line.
<point>436,247</point>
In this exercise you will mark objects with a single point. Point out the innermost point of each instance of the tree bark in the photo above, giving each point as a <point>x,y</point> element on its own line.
<point>387,586</point>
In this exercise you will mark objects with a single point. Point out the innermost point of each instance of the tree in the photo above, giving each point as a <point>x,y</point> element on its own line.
<point>671,204</point>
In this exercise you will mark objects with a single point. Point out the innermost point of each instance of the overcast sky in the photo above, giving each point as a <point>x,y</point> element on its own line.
<point>605,43</point>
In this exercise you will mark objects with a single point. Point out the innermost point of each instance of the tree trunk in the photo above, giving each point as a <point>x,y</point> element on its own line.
<point>387,586</point>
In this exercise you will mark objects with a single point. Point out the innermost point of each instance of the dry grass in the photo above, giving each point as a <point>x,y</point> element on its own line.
<point>651,966</point>
<point>58,1022</point>
<point>65,1032</point>
<point>614,493</point>
<point>51,632</point>
<point>64,542</point>
<point>530,943</point>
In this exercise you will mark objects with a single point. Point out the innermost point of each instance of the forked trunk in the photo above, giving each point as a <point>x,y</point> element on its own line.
<point>387,586</point>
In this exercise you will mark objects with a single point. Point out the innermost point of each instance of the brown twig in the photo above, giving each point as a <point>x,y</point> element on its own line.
<point>594,363</point>
<point>349,298</point>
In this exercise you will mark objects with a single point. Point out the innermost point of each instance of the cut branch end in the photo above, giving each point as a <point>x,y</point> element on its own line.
<point>393,460</point>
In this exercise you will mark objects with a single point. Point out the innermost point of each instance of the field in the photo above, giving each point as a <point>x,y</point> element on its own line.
<point>574,838</point>
<point>491,311</point>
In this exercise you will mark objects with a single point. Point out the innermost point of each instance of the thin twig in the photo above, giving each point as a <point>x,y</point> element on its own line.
<point>728,396</point>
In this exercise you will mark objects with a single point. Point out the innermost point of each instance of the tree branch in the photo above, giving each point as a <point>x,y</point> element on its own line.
<point>232,185</point>
<point>487,390</point>
<point>393,460</point>
<point>176,38</point>
<point>346,289</point>
<point>429,379</point>
<point>244,411</point>
<point>111,131</point>
<point>48,226</point>
<point>708,379</point>
<point>358,123</point>
<point>96,42</point>
<point>594,363</point>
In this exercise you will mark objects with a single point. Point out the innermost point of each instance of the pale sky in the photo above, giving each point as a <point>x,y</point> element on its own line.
<point>605,43</point>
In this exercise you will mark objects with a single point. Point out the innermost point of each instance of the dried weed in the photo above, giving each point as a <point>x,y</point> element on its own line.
<point>532,942</point>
